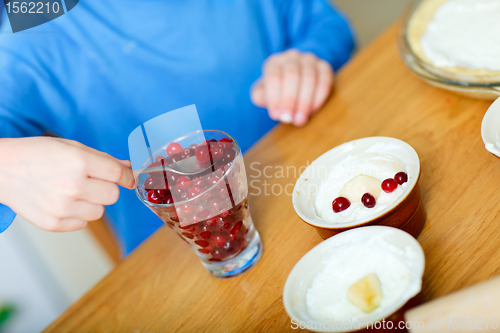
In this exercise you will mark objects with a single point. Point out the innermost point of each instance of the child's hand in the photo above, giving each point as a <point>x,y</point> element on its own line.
<point>58,184</point>
<point>294,86</point>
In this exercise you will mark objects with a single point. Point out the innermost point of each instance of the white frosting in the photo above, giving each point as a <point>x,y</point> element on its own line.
<point>327,296</point>
<point>464,33</point>
<point>380,161</point>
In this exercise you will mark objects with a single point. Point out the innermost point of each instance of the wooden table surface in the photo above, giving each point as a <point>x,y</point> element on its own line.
<point>162,286</point>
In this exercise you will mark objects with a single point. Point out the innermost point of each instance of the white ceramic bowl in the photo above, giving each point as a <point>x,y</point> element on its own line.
<point>490,128</point>
<point>307,268</point>
<point>407,212</point>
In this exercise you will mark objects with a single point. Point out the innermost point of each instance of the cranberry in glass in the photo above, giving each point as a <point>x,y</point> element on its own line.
<point>168,200</point>
<point>212,221</point>
<point>154,164</point>
<point>153,198</point>
<point>226,143</point>
<point>159,158</point>
<point>219,239</point>
<point>193,191</point>
<point>174,158</point>
<point>198,181</point>
<point>401,178</point>
<point>368,200</point>
<point>213,180</point>
<point>206,251</point>
<point>389,185</point>
<point>202,243</point>
<point>183,182</point>
<point>229,154</point>
<point>172,177</point>
<point>188,235</point>
<point>218,253</point>
<point>188,152</point>
<point>150,183</point>
<point>225,213</point>
<point>174,148</point>
<point>231,247</point>
<point>202,153</point>
<point>186,208</point>
<point>236,228</point>
<point>160,191</point>
<point>217,152</point>
<point>205,234</point>
<point>340,204</point>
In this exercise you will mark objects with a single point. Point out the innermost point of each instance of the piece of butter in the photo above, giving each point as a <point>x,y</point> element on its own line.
<point>366,293</point>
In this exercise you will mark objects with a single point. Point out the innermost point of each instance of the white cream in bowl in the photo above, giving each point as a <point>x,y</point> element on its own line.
<point>316,289</point>
<point>322,181</point>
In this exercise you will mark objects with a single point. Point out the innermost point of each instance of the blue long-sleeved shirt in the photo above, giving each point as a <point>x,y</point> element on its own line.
<point>96,73</point>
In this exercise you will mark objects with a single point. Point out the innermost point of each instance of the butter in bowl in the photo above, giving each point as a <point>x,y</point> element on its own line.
<point>354,280</point>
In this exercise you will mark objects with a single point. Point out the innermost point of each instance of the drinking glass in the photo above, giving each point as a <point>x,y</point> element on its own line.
<point>209,210</point>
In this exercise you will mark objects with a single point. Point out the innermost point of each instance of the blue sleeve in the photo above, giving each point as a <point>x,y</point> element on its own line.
<point>34,100</point>
<point>316,26</point>
<point>6,217</point>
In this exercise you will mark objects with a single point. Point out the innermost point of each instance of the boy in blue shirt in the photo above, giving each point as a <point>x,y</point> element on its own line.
<point>93,75</point>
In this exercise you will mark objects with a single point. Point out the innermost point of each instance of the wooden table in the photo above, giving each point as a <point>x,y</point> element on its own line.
<point>162,286</point>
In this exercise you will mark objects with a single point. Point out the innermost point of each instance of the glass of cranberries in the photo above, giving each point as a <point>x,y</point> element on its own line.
<point>208,210</point>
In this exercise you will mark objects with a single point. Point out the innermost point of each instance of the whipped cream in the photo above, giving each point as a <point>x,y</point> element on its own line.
<point>464,33</point>
<point>327,295</point>
<point>380,161</point>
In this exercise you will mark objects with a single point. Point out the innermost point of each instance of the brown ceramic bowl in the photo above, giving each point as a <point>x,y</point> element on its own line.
<point>406,212</point>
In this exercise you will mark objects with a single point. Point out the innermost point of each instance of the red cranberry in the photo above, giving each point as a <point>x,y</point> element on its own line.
<point>150,183</point>
<point>168,200</point>
<point>174,217</point>
<point>340,204</point>
<point>203,214</point>
<point>186,208</point>
<point>204,251</point>
<point>188,235</point>
<point>212,221</point>
<point>174,158</point>
<point>183,196</point>
<point>401,178</point>
<point>225,213</point>
<point>193,146</point>
<point>226,143</point>
<point>218,254</point>
<point>198,181</point>
<point>159,158</point>
<point>205,234</point>
<point>231,247</point>
<point>189,228</point>
<point>213,180</point>
<point>217,152</point>
<point>368,200</point>
<point>219,239</point>
<point>160,191</point>
<point>174,148</point>
<point>183,182</point>
<point>389,185</point>
<point>188,152</point>
<point>154,164</point>
<point>202,153</point>
<point>193,191</point>
<point>229,154</point>
<point>153,198</point>
<point>224,223</point>
<point>172,178</point>
<point>202,243</point>
<point>176,191</point>
<point>222,169</point>
<point>236,228</point>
